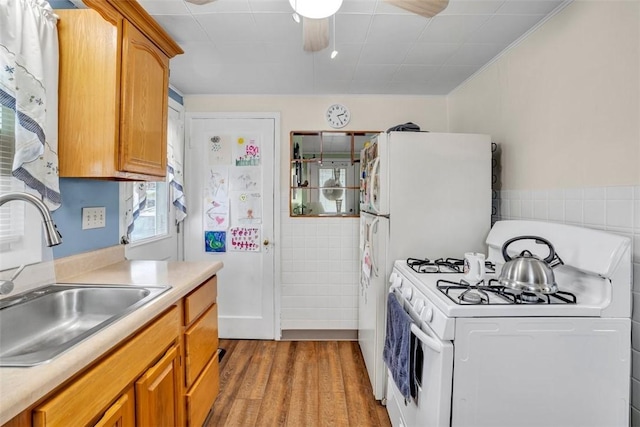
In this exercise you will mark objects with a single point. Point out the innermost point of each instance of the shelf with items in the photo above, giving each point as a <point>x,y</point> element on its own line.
<point>325,172</point>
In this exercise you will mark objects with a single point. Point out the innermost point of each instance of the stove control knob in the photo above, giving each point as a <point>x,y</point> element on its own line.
<point>428,315</point>
<point>418,305</point>
<point>407,293</point>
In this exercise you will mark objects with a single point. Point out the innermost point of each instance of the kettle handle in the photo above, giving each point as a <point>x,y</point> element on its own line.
<point>548,259</point>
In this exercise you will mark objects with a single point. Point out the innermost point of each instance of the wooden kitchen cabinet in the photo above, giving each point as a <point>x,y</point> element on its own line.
<point>202,381</point>
<point>93,397</point>
<point>121,413</point>
<point>158,393</point>
<point>113,92</point>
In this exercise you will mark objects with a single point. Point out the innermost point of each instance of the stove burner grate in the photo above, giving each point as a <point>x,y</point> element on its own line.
<point>494,293</point>
<point>443,265</point>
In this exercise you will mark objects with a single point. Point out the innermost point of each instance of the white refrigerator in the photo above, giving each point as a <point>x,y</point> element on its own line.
<point>422,195</point>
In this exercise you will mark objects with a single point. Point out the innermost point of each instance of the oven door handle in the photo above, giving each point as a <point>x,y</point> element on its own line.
<point>430,342</point>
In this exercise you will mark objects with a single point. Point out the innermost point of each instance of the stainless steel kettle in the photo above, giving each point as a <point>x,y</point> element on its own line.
<point>527,272</point>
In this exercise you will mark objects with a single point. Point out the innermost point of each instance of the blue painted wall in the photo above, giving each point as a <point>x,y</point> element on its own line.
<point>77,194</point>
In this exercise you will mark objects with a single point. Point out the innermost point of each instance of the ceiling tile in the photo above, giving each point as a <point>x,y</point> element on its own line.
<point>281,6</point>
<point>430,53</point>
<point>374,72</point>
<point>378,53</point>
<point>414,73</point>
<point>451,28</point>
<point>474,54</point>
<point>278,26</point>
<point>351,28</point>
<point>183,28</point>
<point>399,28</point>
<point>504,29</point>
<point>229,27</point>
<point>472,7</point>
<point>165,7</point>
<point>220,6</point>
<point>358,6</point>
<point>528,7</point>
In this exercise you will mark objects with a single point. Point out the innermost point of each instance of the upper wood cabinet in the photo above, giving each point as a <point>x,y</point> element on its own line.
<point>113,92</point>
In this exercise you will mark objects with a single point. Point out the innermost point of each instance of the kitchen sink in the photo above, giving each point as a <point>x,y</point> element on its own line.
<point>39,325</point>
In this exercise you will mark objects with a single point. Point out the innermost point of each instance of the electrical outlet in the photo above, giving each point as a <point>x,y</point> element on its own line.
<point>93,218</point>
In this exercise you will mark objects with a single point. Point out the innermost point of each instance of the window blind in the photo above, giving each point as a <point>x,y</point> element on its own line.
<point>11,214</point>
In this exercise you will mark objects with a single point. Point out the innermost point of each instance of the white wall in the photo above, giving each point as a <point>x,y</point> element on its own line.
<point>319,255</point>
<point>564,105</point>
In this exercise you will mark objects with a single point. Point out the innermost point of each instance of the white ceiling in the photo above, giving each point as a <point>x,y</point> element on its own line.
<point>255,47</point>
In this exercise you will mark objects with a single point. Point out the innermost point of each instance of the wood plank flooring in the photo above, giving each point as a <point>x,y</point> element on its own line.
<point>294,384</point>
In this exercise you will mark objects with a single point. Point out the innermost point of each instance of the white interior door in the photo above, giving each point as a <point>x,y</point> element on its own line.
<point>231,174</point>
<point>168,244</point>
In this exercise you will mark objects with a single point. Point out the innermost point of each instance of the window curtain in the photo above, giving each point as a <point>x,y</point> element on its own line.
<point>135,202</point>
<point>29,87</point>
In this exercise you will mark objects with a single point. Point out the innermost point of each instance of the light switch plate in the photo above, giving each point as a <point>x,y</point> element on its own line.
<point>93,217</point>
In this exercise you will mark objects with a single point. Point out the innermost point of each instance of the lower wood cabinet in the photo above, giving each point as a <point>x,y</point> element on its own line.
<point>166,374</point>
<point>158,393</point>
<point>202,380</point>
<point>87,399</point>
<point>121,413</point>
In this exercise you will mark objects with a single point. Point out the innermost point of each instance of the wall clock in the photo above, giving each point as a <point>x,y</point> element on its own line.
<point>338,116</point>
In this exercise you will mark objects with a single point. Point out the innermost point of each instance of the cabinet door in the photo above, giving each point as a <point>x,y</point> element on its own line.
<point>121,413</point>
<point>144,108</point>
<point>158,393</point>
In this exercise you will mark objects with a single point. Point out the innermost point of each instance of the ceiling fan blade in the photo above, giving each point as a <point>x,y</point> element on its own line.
<point>200,2</point>
<point>315,34</point>
<point>426,8</point>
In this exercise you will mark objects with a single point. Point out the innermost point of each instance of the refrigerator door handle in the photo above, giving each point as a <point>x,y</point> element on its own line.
<point>373,200</point>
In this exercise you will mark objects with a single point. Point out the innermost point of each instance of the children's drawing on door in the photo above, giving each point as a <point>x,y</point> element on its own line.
<point>246,151</point>
<point>244,239</point>
<point>219,149</point>
<point>246,208</point>
<point>216,213</point>
<point>218,182</point>
<point>245,178</point>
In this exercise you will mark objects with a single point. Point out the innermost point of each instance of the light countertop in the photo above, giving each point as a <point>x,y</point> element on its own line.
<point>22,387</point>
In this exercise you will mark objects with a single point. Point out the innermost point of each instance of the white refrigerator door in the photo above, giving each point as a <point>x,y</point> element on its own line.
<point>373,297</point>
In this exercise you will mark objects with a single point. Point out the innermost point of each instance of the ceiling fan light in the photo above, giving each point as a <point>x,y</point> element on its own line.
<point>296,17</point>
<point>315,9</point>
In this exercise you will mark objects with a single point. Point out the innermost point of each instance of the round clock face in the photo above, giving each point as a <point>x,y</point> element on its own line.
<point>338,116</point>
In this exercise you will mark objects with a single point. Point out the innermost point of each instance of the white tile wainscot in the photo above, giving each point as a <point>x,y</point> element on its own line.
<point>319,273</point>
<point>613,209</point>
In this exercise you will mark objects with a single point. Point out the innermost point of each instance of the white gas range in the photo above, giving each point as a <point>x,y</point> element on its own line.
<point>495,358</point>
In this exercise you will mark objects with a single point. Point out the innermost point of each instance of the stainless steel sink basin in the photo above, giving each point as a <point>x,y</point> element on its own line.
<point>38,325</point>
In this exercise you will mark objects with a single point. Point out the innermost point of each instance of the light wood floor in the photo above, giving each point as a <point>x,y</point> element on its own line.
<point>297,384</point>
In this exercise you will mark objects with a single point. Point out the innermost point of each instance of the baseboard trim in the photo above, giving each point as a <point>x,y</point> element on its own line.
<point>319,335</point>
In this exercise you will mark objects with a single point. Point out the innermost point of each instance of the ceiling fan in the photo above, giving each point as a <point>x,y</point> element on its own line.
<point>315,32</point>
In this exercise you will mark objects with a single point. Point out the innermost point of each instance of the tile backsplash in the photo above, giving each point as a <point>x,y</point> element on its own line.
<point>319,272</point>
<point>612,209</point>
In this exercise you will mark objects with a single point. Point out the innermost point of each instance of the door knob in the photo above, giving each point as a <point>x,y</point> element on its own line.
<point>266,242</point>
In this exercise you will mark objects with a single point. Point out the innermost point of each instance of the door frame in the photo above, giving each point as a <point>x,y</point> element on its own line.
<point>277,190</point>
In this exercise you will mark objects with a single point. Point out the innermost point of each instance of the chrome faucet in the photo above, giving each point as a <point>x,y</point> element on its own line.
<point>50,230</point>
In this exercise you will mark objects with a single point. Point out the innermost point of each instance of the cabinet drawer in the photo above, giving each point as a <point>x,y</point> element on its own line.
<point>203,393</point>
<point>201,343</point>
<point>92,392</point>
<point>199,300</point>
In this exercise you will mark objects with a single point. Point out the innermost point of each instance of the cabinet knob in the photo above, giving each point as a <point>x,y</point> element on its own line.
<point>266,242</point>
